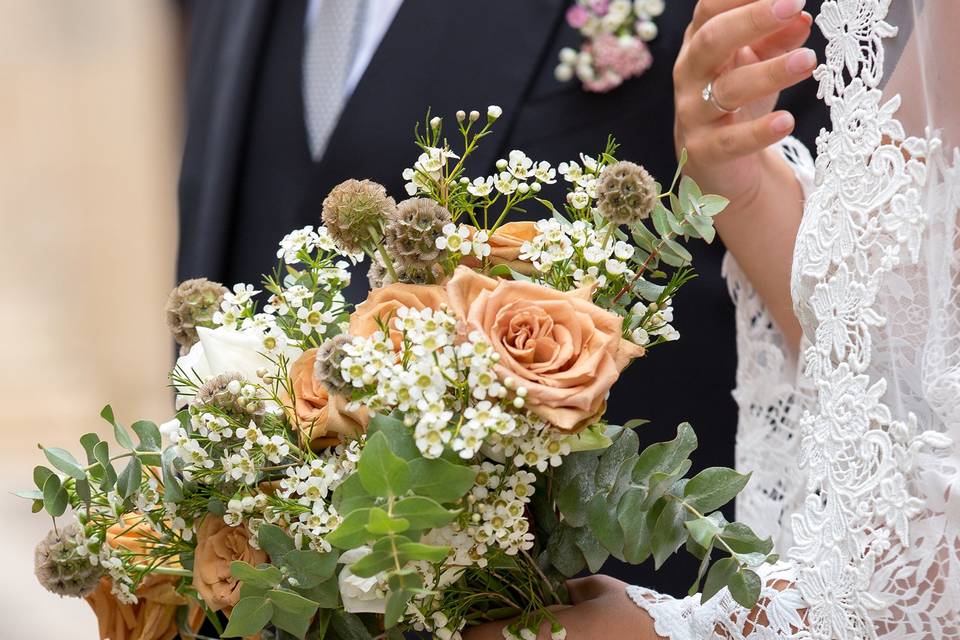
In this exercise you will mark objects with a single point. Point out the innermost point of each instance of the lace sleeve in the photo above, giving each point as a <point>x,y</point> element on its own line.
<point>778,614</point>
<point>771,397</point>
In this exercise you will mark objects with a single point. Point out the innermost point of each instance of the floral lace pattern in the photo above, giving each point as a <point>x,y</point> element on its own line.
<point>871,523</point>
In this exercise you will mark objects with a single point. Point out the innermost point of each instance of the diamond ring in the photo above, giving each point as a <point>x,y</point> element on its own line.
<point>707,95</point>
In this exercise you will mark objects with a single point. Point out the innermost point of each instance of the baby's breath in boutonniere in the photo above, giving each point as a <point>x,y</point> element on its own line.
<point>614,49</point>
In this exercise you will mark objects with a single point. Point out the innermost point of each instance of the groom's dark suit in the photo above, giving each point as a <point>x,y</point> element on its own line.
<point>248,178</point>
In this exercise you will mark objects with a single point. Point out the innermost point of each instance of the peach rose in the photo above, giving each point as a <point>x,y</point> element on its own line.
<point>320,419</point>
<point>219,544</point>
<point>153,617</point>
<point>505,244</point>
<point>382,305</point>
<point>564,349</point>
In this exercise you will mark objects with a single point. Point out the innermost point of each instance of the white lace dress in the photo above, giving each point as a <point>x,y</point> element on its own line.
<point>854,449</point>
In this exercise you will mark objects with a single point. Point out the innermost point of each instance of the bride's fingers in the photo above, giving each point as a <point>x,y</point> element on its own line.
<point>742,85</point>
<point>732,141</point>
<point>707,9</point>
<point>714,44</point>
<point>787,39</point>
<point>583,589</point>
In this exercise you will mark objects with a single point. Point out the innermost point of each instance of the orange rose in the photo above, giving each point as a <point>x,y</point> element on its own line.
<point>505,244</point>
<point>219,544</point>
<point>153,617</point>
<point>564,349</point>
<point>320,419</point>
<point>382,305</point>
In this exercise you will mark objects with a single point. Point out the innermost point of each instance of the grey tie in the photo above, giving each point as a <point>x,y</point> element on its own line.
<point>327,57</point>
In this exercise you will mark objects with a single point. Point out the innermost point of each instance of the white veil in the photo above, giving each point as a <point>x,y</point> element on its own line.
<point>868,517</point>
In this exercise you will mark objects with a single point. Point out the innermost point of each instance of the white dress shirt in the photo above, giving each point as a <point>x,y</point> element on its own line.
<point>377,16</point>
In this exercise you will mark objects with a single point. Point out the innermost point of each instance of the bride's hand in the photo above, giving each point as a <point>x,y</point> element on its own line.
<point>747,52</point>
<point>601,609</point>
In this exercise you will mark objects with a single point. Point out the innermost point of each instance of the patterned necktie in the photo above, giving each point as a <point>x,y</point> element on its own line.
<point>327,57</point>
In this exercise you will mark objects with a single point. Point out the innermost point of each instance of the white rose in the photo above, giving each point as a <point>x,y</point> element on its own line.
<point>225,350</point>
<point>359,594</point>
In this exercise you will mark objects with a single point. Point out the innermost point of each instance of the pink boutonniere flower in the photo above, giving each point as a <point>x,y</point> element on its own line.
<point>614,49</point>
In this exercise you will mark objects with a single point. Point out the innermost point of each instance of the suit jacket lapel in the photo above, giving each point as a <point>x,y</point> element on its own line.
<point>242,27</point>
<point>446,56</point>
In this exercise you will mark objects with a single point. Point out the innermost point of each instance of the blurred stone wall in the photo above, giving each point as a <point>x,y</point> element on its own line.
<point>89,144</point>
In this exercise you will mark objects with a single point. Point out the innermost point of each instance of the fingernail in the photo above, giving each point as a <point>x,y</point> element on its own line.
<point>801,60</point>
<point>786,9</point>
<point>783,123</point>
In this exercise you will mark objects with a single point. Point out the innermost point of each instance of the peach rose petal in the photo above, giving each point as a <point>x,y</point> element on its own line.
<point>382,304</point>
<point>217,546</point>
<point>153,617</point>
<point>564,349</point>
<point>505,245</point>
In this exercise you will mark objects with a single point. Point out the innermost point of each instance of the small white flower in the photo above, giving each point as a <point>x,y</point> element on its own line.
<point>481,187</point>
<point>455,239</point>
<point>519,164</point>
<point>578,199</point>
<point>505,183</point>
<point>494,112</point>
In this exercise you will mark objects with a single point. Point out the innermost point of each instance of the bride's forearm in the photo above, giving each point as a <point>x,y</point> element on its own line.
<point>760,231</point>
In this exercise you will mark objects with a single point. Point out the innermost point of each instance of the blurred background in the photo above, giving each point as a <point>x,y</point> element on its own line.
<point>90,137</point>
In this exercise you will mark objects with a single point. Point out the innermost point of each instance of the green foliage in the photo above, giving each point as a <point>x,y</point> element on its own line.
<point>634,506</point>
<point>249,617</point>
<point>382,473</point>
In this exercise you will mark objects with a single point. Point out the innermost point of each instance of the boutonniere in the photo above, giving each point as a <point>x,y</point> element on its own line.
<point>614,49</point>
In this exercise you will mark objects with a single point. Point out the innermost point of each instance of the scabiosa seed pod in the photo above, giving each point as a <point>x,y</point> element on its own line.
<point>412,232</point>
<point>229,392</point>
<point>354,212</point>
<point>190,305</point>
<point>626,193</point>
<point>326,368</point>
<point>379,276</point>
<point>60,569</point>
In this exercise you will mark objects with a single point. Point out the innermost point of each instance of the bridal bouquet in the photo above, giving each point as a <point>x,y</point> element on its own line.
<point>434,458</point>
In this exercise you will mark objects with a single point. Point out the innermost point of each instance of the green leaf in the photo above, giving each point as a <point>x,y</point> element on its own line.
<point>307,569</point>
<point>427,552</point>
<point>678,249</point>
<point>703,530</point>
<point>711,205</point>
<point>265,577</point>
<point>399,436</point>
<point>718,577</point>
<point>593,552</point>
<point>689,192</point>
<point>89,441</point>
<point>326,594</point>
<point>396,605</point>
<point>172,488</point>
<point>563,552</point>
<point>602,522</point>
<point>665,457</point>
<point>423,513</point>
<point>82,488</point>
<point>659,217</point>
<point>745,588</point>
<point>373,563</point>
<point>668,534</point>
<point>249,617</point>
<point>441,480</point>
<point>29,494</point>
<point>348,626</point>
<point>714,487</point>
<point>633,521</point>
<point>291,612</point>
<point>593,438</point>
<point>741,539</point>
<point>274,541</point>
<point>351,495</point>
<point>63,460</point>
<point>351,532</point>
<point>379,523</point>
<point>382,473</point>
<point>101,453</point>
<point>576,485</point>
<point>149,435</point>
<point>128,482</point>
<point>54,496</point>
<point>40,475</point>
<point>123,438</point>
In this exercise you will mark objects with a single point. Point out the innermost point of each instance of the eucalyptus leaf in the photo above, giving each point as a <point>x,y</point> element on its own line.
<point>714,487</point>
<point>351,532</point>
<point>274,541</point>
<point>350,495</point>
<point>249,617</point>
<point>668,533</point>
<point>382,473</point>
<point>430,553</point>
<point>88,441</point>
<point>441,480</point>
<point>745,588</point>
<point>149,435</point>
<point>399,436</point>
<point>423,513</point>
<point>128,482</point>
<point>741,539</point>
<point>396,605</point>
<point>291,612</point>
<point>123,438</point>
<point>307,569</point>
<point>380,523</point>
<point>718,577</point>
<point>64,461</point>
<point>54,496</point>
<point>265,577</point>
<point>40,475</point>
<point>347,626</point>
